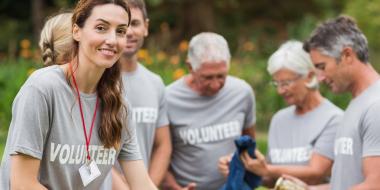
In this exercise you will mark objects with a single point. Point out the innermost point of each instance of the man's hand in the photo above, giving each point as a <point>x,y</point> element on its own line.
<point>224,164</point>
<point>170,183</point>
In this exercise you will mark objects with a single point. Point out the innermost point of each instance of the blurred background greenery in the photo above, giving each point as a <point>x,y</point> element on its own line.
<point>254,29</point>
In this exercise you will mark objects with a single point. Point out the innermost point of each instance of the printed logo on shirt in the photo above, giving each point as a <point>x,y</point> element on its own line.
<point>291,155</point>
<point>344,145</point>
<point>210,133</point>
<point>76,154</point>
<point>144,115</point>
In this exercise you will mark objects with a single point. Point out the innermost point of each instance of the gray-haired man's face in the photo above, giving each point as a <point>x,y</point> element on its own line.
<point>210,77</point>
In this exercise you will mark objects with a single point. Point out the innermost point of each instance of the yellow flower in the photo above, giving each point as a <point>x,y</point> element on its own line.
<point>248,46</point>
<point>161,56</point>
<point>148,61</point>
<point>183,46</point>
<point>178,73</point>
<point>142,54</point>
<point>25,44</point>
<point>25,53</point>
<point>30,71</point>
<point>174,60</point>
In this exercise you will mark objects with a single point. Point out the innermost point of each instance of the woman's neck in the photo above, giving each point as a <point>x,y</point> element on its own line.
<point>87,75</point>
<point>312,100</point>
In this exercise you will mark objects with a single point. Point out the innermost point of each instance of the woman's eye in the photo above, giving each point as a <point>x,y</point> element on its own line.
<point>122,31</point>
<point>100,28</point>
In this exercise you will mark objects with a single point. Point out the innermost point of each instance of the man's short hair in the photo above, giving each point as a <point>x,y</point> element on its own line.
<point>208,47</point>
<point>140,4</point>
<point>332,36</point>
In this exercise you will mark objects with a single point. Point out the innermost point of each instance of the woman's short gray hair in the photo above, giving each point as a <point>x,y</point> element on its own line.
<point>208,47</point>
<point>292,56</point>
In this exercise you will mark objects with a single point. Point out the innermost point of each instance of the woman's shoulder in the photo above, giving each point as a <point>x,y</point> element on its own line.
<point>284,112</point>
<point>46,79</point>
<point>329,108</point>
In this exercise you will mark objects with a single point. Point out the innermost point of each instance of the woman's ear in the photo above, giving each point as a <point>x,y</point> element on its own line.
<point>312,80</point>
<point>76,32</point>
<point>188,64</point>
<point>311,74</point>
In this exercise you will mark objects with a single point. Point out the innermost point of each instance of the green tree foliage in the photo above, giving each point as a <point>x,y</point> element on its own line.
<point>254,30</point>
<point>367,14</point>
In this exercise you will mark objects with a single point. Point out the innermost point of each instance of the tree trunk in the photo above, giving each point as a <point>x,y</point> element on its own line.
<point>198,17</point>
<point>37,16</point>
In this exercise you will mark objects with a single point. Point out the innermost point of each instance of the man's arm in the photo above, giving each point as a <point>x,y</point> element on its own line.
<point>160,159</point>
<point>136,175</point>
<point>24,172</point>
<point>250,131</point>
<point>371,173</point>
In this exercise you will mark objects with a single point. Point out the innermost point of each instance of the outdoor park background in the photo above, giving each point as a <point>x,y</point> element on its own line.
<point>254,29</point>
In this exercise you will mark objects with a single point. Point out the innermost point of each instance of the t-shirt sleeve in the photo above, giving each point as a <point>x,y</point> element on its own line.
<point>324,145</point>
<point>129,149</point>
<point>270,138</point>
<point>30,123</point>
<point>162,110</point>
<point>250,118</point>
<point>370,131</point>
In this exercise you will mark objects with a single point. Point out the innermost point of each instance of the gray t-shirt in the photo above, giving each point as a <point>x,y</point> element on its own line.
<point>204,128</point>
<point>293,138</point>
<point>145,92</point>
<point>357,137</point>
<point>46,125</point>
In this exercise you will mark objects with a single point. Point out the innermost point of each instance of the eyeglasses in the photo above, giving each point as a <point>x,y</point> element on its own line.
<point>285,83</point>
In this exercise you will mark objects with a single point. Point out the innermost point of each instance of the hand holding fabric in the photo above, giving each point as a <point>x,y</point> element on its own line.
<point>257,166</point>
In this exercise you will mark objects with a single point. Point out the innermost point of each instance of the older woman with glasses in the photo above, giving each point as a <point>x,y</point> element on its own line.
<point>301,136</point>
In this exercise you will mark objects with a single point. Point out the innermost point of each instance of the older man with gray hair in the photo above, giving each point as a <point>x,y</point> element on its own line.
<point>207,110</point>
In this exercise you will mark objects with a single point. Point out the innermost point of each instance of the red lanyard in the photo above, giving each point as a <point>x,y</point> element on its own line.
<point>88,138</point>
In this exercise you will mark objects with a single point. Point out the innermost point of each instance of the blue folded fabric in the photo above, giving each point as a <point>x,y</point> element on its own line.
<point>239,178</point>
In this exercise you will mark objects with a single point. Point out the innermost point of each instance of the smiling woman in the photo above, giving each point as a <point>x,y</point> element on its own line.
<point>50,143</point>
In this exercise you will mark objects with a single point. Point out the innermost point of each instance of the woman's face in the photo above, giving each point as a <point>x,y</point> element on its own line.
<point>102,39</point>
<point>291,86</point>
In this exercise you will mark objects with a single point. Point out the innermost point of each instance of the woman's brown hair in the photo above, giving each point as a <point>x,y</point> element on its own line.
<point>109,88</point>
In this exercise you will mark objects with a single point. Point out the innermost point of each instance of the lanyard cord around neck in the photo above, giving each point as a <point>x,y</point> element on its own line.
<point>88,138</point>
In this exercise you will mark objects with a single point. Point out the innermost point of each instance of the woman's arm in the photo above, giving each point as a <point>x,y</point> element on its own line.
<point>313,173</point>
<point>24,173</point>
<point>136,175</point>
